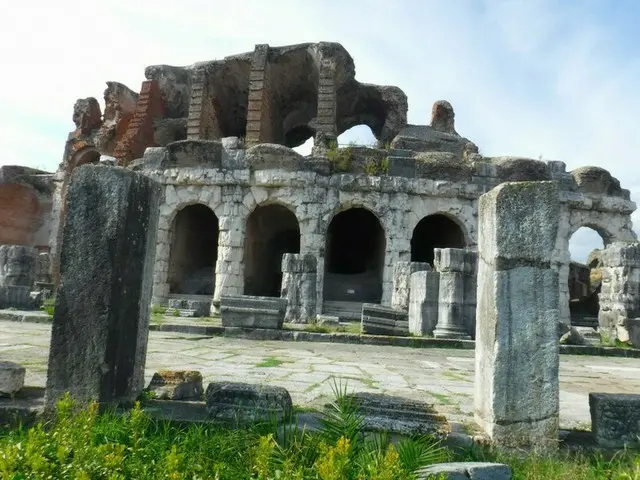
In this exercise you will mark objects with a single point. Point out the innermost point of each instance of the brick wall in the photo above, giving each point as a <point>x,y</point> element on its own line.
<point>327,99</point>
<point>19,214</point>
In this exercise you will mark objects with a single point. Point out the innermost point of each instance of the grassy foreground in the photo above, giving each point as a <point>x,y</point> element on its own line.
<point>85,444</point>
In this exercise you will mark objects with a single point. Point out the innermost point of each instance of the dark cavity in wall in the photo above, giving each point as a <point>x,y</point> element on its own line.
<point>272,230</point>
<point>354,257</point>
<point>435,231</point>
<point>194,251</point>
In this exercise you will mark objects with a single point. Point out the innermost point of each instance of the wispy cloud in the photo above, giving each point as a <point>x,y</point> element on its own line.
<point>531,78</point>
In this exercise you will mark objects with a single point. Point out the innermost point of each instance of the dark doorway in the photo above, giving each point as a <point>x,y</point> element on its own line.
<point>435,231</point>
<point>354,257</point>
<point>272,230</point>
<point>194,251</point>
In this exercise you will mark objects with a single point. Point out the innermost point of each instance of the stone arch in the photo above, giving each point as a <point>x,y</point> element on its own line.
<point>437,230</point>
<point>194,230</point>
<point>355,247</point>
<point>84,156</point>
<point>272,229</point>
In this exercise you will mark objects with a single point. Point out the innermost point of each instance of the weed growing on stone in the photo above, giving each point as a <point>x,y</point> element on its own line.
<point>49,306</point>
<point>270,362</point>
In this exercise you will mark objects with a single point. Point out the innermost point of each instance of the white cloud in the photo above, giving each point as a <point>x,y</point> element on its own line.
<point>526,78</point>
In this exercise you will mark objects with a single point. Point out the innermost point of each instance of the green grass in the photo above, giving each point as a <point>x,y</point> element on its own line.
<point>270,362</point>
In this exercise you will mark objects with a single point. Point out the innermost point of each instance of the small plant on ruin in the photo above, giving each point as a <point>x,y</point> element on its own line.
<point>158,310</point>
<point>49,306</point>
<point>340,158</point>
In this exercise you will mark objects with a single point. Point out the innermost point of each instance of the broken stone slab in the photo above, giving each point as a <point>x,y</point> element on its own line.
<point>516,351</point>
<point>248,311</point>
<point>177,385</point>
<point>247,403</point>
<point>580,336</point>
<point>465,470</point>
<point>615,419</point>
<point>11,378</point>
<point>200,307</point>
<point>388,413</point>
<point>327,320</point>
<point>381,320</point>
<point>106,271</point>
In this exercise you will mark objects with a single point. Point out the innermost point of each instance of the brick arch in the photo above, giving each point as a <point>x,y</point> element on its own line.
<point>19,214</point>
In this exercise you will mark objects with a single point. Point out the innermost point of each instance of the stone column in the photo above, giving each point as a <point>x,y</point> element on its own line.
<point>450,262</point>
<point>517,351</point>
<point>401,282</point>
<point>423,302</point>
<point>101,321</point>
<point>17,274</point>
<point>620,294</point>
<point>470,290</point>
<point>299,280</point>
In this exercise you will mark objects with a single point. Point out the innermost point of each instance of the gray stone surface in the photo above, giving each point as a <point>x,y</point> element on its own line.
<point>381,320</point>
<point>244,402</point>
<point>423,302</point>
<point>620,293</point>
<point>201,307</point>
<point>299,287</point>
<point>450,262</point>
<point>11,378</point>
<point>438,376</point>
<point>615,419</point>
<point>402,282</point>
<point>16,296</point>
<point>517,351</point>
<point>466,470</point>
<point>17,274</point>
<point>633,327</point>
<point>101,320</point>
<point>252,312</point>
<point>469,302</point>
<point>580,336</point>
<point>176,385</point>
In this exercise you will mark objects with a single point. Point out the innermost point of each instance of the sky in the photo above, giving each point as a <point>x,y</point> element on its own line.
<point>546,79</point>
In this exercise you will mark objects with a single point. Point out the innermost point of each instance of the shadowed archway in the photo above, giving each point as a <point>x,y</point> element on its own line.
<point>435,231</point>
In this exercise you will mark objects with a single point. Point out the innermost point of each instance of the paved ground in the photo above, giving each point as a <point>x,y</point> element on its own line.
<point>444,377</point>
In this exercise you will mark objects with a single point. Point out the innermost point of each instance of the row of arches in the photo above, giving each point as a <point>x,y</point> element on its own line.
<point>354,251</point>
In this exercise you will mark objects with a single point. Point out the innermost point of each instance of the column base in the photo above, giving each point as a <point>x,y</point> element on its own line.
<point>454,333</point>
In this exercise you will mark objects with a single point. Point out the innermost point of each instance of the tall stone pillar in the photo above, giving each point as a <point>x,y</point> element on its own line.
<point>517,351</point>
<point>450,262</point>
<point>401,282</point>
<point>299,280</point>
<point>469,302</point>
<point>620,294</point>
<point>423,302</point>
<point>101,321</point>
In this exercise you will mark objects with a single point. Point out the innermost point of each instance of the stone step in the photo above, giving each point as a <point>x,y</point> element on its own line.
<point>342,310</point>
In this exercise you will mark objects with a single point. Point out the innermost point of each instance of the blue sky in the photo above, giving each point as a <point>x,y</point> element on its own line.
<point>537,78</point>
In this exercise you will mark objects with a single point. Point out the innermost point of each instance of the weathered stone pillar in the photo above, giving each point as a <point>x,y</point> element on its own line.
<point>450,262</point>
<point>423,302</point>
<point>401,282</point>
<point>469,301</point>
<point>101,321</point>
<point>620,293</point>
<point>17,274</point>
<point>517,352</point>
<point>299,280</point>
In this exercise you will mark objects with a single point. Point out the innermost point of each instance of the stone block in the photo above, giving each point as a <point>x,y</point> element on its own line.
<point>517,352</point>
<point>401,167</point>
<point>450,303</point>
<point>327,320</point>
<point>615,419</point>
<point>252,311</point>
<point>299,287</point>
<point>106,271</point>
<point>423,302</point>
<point>177,385</point>
<point>465,470</point>
<point>17,265</point>
<point>380,320</point>
<point>247,403</point>
<point>633,327</point>
<point>401,282</point>
<point>11,378</point>
<point>449,259</point>
<point>200,307</point>
<point>16,296</point>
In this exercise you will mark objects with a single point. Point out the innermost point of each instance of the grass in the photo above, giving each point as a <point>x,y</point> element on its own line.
<point>270,362</point>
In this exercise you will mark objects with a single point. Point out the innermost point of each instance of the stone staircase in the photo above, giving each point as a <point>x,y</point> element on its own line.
<point>342,310</point>
<point>189,305</point>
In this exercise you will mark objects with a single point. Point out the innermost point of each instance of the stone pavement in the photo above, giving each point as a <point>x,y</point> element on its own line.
<point>439,376</point>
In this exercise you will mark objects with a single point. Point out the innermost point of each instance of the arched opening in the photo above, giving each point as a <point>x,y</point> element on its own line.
<point>354,260</point>
<point>585,276</point>
<point>358,135</point>
<point>194,251</point>
<point>272,230</point>
<point>435,231</point>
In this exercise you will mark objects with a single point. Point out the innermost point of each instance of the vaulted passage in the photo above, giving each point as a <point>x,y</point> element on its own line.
<point>354,257</point>
<point>194,251</point>
<point>585,276</point>
<point>435,231</point>
<point>272,230</point>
